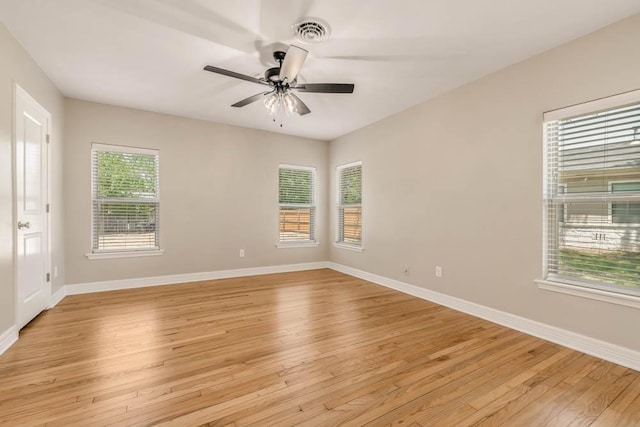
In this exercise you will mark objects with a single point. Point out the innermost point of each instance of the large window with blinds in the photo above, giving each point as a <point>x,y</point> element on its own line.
<point>592,194</point>
<point>126,199</point>
<point>349,206</point>
<point>297,201</point>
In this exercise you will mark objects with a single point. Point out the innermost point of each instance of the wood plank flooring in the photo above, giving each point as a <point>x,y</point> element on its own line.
<point>315,348</point>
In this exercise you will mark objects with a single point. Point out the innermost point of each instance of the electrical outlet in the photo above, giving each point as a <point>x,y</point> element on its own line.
<point>55,271</point>
<point>406,271</point>
<point>438,271</point>
<point>241,253</point>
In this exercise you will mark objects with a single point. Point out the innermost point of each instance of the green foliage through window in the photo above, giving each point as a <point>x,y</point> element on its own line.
<point>126,175</point>
<point>296,186</point>
<point>351,185</point>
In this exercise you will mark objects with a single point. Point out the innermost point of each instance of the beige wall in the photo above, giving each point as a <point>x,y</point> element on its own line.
<point>218,192</point>
<point>464,170</point>
<point>457,182</point>
<point>16,66</point>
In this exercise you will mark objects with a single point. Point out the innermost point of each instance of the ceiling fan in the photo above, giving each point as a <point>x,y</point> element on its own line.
<point>282,82</point>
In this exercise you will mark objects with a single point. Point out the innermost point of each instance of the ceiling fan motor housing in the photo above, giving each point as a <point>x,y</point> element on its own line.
<point>279,55</point>
<point>272,75</point>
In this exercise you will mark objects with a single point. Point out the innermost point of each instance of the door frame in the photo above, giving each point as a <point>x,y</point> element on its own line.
<point>18,91</point>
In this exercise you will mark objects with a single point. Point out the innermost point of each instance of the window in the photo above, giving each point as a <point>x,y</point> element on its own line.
<point>350,204</point>
<point>297,219</point>
<point>125,197</point>
<point>625,212</point>
<point>592,195</point>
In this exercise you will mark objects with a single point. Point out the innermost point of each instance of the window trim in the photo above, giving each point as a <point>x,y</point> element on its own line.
<point>95,254</point>
<point>124,254</point>
<point>286,244</point>
<point>337,242</point>
<point>593,106</point>
<point>282,245</point>
<point>348,247</point>
<point>585,289</point>
<point>568,288</point>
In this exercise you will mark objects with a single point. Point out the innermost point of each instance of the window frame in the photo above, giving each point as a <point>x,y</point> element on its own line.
<point>313,209</point>
<point>605,292</point>
<point>564,205</point>
<point>339,234</point>
<point>95,253</point>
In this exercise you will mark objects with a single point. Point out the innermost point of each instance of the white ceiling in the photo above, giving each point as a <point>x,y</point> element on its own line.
<point>149,54</point>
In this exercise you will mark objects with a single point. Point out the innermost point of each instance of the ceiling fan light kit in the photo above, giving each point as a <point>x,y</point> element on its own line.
<point>278,100</point>
<point>283,82</point>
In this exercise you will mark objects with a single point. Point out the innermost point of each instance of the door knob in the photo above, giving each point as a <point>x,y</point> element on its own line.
<point>22,225</point>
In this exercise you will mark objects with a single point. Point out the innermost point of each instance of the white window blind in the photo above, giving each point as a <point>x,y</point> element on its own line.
<point>297,200</point>
<point>350,204</point>
<point>592,197</point>
<point>125,199</point>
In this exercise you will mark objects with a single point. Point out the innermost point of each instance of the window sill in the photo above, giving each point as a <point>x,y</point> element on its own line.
<point>127,254</point>
<point>590,293</point>
<point>349,247</point>
<point>297,245</point>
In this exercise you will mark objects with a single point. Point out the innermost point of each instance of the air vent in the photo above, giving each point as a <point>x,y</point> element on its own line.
<point>312,30</point>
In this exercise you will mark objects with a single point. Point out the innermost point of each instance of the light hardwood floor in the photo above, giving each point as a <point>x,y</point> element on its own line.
<point>316,348</point>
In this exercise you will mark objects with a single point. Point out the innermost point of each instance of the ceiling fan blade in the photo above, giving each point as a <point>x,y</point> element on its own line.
<point>250,99</point>
<point>192,18</point>
<point>292,63</point>
<point>235,75</point>
<point>425,47</point>
<point>301,107</point>
<point>326,87</point>
<point>388,58</point>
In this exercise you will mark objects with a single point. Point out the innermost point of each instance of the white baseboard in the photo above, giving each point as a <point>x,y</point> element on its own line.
<point>57,297</point>
<point>112,285</point>
<point>8,338</point>
<point>594,347</point>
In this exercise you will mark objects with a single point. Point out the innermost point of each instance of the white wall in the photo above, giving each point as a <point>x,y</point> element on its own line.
<point>18,67</point>
<point>457,182</point>
<point>218,191</point>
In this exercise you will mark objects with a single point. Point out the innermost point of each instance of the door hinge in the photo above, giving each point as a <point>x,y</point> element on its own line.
<point>48,277</point>
<point>48,138</point>
<point>48,208</point>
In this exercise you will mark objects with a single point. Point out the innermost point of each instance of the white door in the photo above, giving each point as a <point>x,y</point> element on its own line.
<point>32,248</point>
